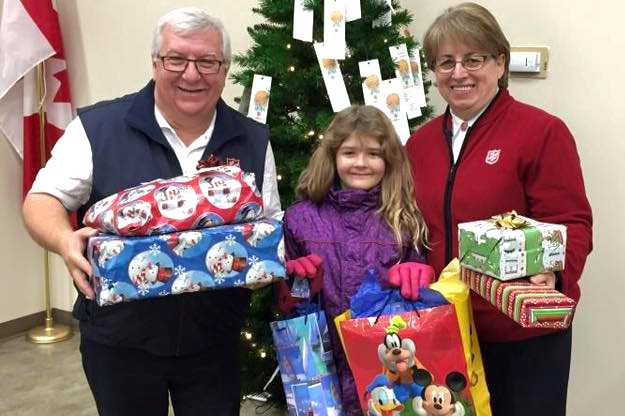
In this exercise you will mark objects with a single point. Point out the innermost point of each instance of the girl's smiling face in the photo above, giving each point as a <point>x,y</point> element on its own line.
<point>359,162</point>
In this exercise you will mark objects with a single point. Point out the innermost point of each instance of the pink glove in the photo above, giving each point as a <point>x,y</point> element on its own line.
<point>307,267</point>
<point>409,277</point>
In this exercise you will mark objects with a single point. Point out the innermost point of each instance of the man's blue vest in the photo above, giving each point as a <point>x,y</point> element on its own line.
<point>128,147</point>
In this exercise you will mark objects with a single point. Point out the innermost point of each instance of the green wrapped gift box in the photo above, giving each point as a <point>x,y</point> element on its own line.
<point>510,246</point>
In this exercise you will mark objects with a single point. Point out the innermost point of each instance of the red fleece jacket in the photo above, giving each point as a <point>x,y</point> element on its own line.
<point>537,173</point>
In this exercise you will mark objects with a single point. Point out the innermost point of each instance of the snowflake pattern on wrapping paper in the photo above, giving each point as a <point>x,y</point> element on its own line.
<point>155,248</point>
<point>219,279</point>
<point>239,228</point>
<point>253,260</point>
<point>179,270</point>
<point>143,289</point>
<point>163,293</point>
<point>230,240</point>
<point>239,282</point>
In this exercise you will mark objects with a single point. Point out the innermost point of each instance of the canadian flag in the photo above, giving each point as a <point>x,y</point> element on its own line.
<point>29,35</point>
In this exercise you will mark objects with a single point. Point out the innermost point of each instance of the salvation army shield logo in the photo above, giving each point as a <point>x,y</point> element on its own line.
<point>492,156</point>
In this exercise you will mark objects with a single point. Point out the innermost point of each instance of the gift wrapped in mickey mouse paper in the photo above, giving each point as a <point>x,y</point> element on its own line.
<point>236,255</point>
<point>213,196</point>
<point>510,246</point>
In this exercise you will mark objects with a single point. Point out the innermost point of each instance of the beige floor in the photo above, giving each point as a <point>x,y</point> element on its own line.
<point>47,380</point>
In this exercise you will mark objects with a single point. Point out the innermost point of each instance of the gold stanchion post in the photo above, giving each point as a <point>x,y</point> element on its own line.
<point>49,332</point>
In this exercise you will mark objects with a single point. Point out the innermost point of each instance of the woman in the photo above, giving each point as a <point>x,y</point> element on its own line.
<point>488,154</point>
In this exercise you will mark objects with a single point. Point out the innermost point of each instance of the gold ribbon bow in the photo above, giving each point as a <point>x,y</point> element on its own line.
<point>509,220</point>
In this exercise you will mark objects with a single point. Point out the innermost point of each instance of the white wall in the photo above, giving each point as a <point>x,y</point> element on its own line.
<point>107,44</point>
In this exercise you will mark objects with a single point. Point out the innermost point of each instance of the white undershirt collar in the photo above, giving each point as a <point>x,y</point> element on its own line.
<point>458,134</point>
<point>187,156</point>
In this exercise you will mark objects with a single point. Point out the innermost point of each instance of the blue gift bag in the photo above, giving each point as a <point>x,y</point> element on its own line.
<point>306,365</point>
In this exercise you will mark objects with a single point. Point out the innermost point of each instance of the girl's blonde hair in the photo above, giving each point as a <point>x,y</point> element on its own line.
<point>397,206</point>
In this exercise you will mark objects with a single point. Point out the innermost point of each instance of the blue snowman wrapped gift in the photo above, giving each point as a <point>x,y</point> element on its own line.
<point>129,268</point>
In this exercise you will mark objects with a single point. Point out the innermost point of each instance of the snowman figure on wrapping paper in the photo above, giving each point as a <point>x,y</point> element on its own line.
<point>226,259</point>
<point>180,243</point>
<point>184,284</point>
<point>98,208</point>
<point>150,269</point>
<point>176,201</point>
<point>108,296</point>
<point>116,292</point>
<point>104,251</point>
<point>553,250</point>
<point>255,233</point>
<point>250,179</point>
<point>133,216</point>
<point>135,193</point>
<point>262,273</point>
<point>191,281</point>
<point>221,190</point>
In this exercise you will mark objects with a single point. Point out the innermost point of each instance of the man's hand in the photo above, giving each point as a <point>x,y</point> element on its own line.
<point>409,277</point>
<point>72,247</point>
<point>544,279</point>
<point>47,221</point>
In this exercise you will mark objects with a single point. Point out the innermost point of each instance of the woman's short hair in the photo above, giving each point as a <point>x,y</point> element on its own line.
<point>468,24</point>
<point>188,20</point>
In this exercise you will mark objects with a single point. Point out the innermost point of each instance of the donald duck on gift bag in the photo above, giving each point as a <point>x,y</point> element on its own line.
<point>415,358</point>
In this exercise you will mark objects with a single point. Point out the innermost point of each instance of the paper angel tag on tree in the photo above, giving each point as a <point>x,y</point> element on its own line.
<point>261,87</point>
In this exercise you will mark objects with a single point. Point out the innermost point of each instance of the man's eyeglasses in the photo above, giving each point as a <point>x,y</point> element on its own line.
<point>179,64</point>
<point>470,63</point>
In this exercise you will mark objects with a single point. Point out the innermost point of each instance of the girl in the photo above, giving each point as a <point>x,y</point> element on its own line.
<point>355,210</point>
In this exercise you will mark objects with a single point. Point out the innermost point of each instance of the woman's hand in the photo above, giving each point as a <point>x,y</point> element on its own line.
<point>544,279</point>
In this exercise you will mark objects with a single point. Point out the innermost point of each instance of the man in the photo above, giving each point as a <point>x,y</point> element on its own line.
<point>136,354</point>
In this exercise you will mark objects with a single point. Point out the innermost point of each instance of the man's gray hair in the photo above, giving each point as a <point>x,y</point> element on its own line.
<point>188,20</point>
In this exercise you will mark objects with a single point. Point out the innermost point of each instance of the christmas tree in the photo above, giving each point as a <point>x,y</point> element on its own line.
<point>299,111</point>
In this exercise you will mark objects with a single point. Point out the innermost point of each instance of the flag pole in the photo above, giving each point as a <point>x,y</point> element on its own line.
<point>49,332</point>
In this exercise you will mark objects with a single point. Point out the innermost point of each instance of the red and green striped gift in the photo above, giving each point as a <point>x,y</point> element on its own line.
<point>529,305</point>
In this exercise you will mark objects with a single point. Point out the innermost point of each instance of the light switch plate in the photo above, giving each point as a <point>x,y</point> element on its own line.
<point>543,52</point>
